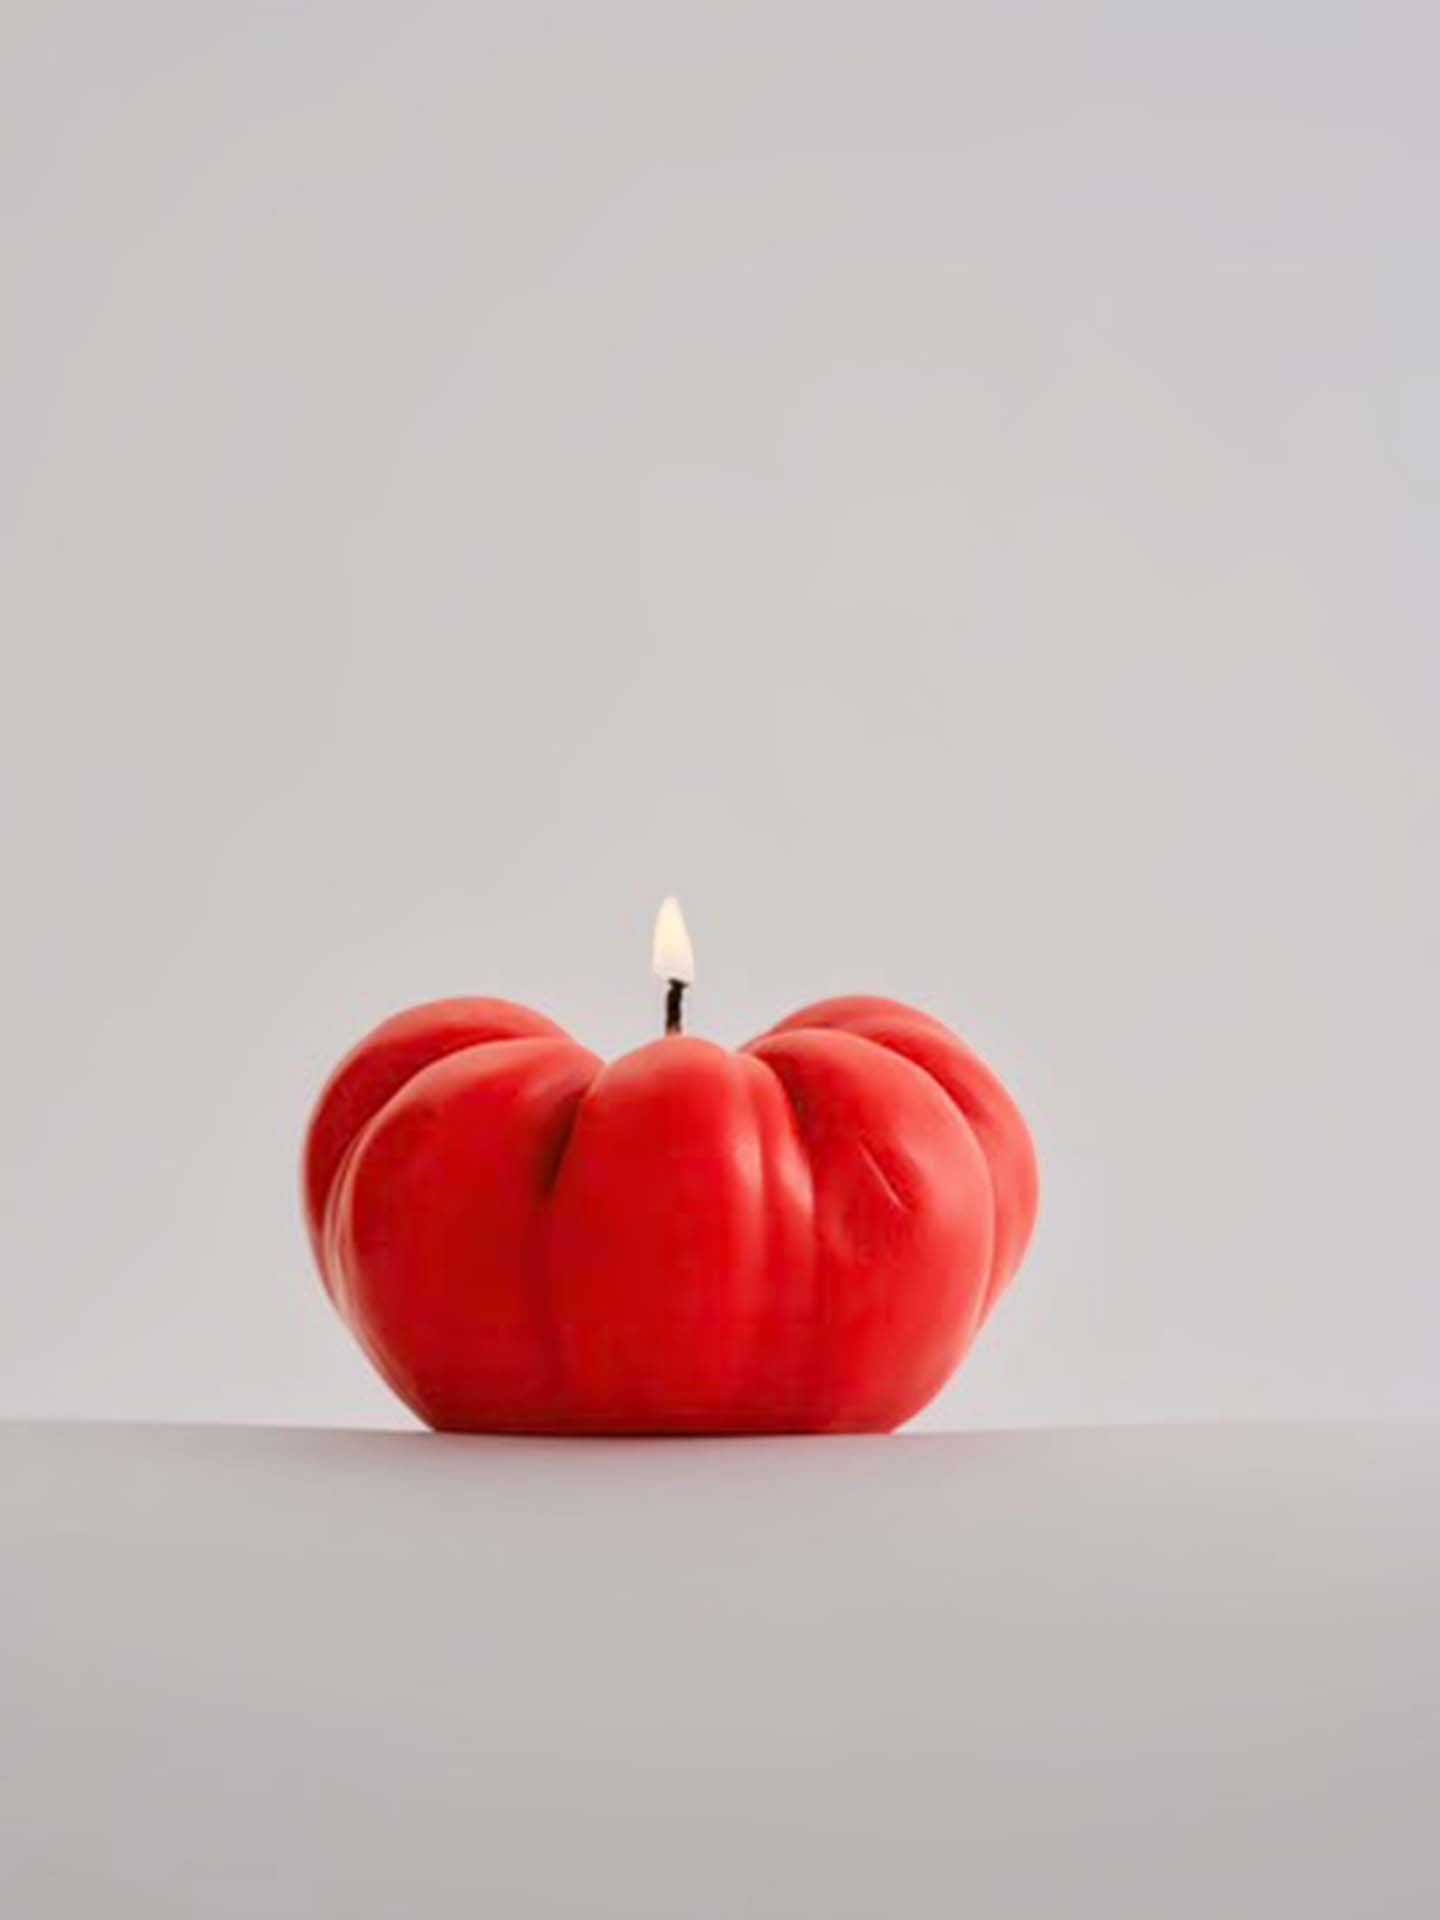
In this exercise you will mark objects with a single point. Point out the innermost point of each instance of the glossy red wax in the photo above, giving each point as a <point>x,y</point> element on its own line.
<point>801,1236</point>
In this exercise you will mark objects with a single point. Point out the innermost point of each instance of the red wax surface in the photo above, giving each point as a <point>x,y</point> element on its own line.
<point>800,1236</point>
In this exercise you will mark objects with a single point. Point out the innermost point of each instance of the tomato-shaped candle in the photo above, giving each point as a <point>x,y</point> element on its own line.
<point>799,1237</point>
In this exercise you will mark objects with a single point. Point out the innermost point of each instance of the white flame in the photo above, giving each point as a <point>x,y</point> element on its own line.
<point>671,954</point>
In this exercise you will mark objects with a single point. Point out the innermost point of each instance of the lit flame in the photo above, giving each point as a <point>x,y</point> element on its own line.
<point>671,954</point>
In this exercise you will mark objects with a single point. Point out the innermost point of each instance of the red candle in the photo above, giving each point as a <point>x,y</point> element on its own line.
<point>801,1236</point>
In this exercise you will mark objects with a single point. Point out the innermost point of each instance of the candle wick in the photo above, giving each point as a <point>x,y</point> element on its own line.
<point>674,998</point>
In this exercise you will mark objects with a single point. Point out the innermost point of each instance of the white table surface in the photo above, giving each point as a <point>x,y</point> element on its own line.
<point>1158,1672</point>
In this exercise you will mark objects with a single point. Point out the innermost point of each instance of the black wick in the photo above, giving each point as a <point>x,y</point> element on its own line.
<point>674,996</point>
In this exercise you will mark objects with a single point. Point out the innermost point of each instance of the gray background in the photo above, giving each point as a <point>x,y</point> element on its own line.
<point>1015,1676</point>
<point>945,489</point>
